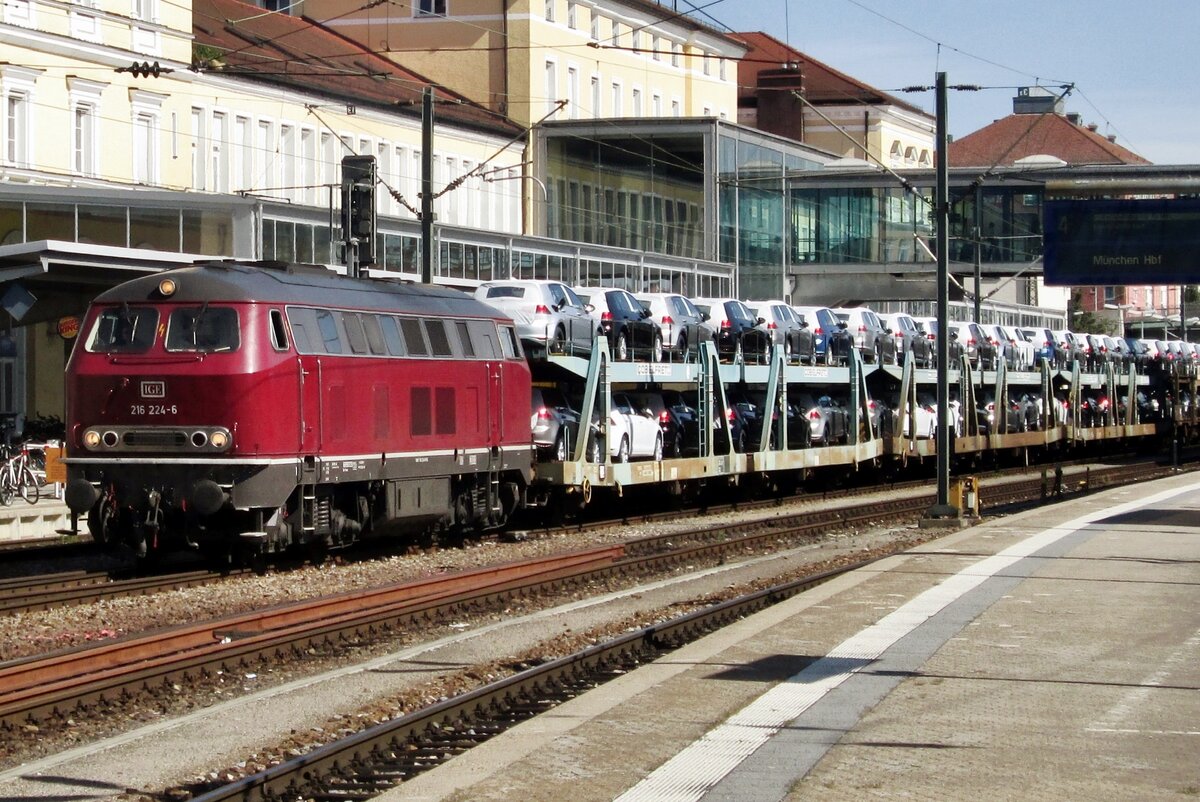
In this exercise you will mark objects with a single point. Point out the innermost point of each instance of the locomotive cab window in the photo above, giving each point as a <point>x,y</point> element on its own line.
<point>124,329</point>
<point>279,340</point>
<point>203,328</point>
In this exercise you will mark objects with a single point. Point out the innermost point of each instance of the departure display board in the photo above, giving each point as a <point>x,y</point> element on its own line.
<point>1115,242</point>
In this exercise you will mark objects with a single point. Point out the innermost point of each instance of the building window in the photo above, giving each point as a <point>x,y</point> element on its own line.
<point>287,161</point>
<point>707,65</point>
<point>145,10</point>
<point>550,10</point>
<point>16,129</point>
<point>636,110</point>
<point>218,147</point>
<point>430,8</point>
<point>654,45</point>
<point>572,15</point>
<point>722,66</point>
<point>243,153</point>
<point>676,111</point>
<point>83,153</point>
<point>617,106</point>
<point>573,92</point>
<point>676,54</point>
<point>595,25</point>
<point>656,105</point>
<point>595,95</point>
<point>145,152</point>
<point>551,86</point>
<point>198,148</point>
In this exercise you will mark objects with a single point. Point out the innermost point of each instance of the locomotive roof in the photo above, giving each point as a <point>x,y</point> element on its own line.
<point>312,285</point>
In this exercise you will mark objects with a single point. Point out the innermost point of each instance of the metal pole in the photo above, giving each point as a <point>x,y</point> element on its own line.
<point>427,186</point>
<point>978,250</point>
<point>945,445</point>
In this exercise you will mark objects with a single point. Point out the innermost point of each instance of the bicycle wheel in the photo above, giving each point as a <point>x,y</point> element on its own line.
<point>27,485</point>
<point>6,488</point>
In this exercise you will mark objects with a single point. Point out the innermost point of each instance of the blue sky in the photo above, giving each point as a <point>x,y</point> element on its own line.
<point>1135,65</point>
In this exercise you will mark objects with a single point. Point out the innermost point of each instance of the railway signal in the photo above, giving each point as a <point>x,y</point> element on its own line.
<point>358,211</point>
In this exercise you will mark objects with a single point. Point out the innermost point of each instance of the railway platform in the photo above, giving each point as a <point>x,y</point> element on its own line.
<point>22,522</point>
<point>1053,654</point>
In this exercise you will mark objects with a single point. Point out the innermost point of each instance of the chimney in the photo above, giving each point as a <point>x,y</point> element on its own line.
<point>1093,127</point>
<point>1075,118</point>
<point>1112,138</point>
<point>1036,100</point>
<point>779,112</point>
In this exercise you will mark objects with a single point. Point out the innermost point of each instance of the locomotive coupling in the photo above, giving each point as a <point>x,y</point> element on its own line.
<point>80,495</point>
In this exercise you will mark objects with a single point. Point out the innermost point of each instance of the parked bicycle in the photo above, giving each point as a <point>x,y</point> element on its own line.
<point>17,476</point>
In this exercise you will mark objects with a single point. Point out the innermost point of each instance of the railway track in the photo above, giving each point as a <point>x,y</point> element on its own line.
<point>380,757</point>
<point>48,690</point>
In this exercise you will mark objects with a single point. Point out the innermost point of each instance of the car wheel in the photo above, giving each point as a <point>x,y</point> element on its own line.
<point>738,356</point>
<point>681,347</point>
<point>878,356</point>
<point>739,445</point>
<point>558,345</point>
<point>560,446</point>
<point>828,356</point>
<point>658,448</point>
<point>595,452</point>
<point>623,451</point>
<point>622,347</point>
<point>677,448</point>
<point>787,352</point>
<point>656,349</point>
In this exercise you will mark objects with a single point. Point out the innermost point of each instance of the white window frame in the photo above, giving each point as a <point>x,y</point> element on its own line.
<point>243,152</point>
<point>199,148</point>
<point>551,85</point>
<point>18,87</point>
<point>635,101</point>
<point>550,10</point>
<point>431,8</point>
<point>596,96</point>
<point>146,115</point>
<point>218,151</point>
<point>85,96</point>
<point>309,160</point>
<point>572,15</point>
<point>573,91</point>
<point>618,100</point>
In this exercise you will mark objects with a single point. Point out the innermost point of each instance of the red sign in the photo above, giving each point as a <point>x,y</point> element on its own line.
<point>68,327</point>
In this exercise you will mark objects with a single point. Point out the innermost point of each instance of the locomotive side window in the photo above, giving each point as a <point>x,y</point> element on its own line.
<point>374,335</point>
<point>203,328</point>
<point>124,329</point>
<point>352,322</point>
<point>483,337</point>
<point>328,327</point>
<point>509,343</point>
<point>464,337</point>
<point>391,336</point>
<point>279,340</point>
<point>438,341</point>
<point>414,336</point>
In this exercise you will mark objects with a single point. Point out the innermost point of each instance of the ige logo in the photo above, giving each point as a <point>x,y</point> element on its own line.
<point>154,389</point>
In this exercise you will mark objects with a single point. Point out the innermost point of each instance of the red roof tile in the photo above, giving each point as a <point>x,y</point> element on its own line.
<point>823,85</point>
<point>301,54</point>
<point>1020,135</point>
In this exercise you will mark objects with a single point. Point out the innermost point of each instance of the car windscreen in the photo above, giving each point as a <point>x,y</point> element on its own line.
<point>124,329</point>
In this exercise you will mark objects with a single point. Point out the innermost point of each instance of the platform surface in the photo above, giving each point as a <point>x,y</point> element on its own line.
<point>1053,654</point>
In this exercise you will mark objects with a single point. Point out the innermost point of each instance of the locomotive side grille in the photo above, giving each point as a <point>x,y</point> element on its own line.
<point>155,438</point>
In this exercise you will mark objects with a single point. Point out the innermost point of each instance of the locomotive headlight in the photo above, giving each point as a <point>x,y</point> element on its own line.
<point>91,438</point>
<point>167,287</point>
<point>219,439</point>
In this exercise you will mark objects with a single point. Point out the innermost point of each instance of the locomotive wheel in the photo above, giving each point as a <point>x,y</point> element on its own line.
<point>99,520</point>
<point>622,347</point>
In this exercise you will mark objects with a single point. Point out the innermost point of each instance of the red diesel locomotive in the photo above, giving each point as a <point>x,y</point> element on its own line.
<point>274,405</point>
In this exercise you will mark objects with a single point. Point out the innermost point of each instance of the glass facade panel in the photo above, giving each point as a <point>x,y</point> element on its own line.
<point>154,229</point>
<point>12,223</point>
<point>102,225</point>
<point>615,192</point>
<point>49,221</point>
<point>208,232</point>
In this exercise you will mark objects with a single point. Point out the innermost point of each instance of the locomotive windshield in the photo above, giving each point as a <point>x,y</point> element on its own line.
<point>203,328</point>
<point>124,329</point>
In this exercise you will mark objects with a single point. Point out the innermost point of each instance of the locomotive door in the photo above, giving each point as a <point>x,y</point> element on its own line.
<point>309,368</point>
<point>495,403</point>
